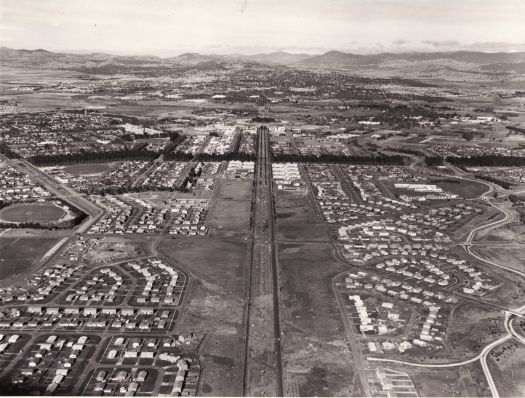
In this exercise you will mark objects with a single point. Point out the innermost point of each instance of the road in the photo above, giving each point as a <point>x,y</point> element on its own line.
<point>63,192</point>
<point>263,373</point>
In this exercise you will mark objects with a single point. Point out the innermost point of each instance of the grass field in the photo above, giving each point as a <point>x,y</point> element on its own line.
<point>19,255</point>
<point>31,212</point>
<point>88,168</point>
<point>507,365</point>
<point>465,189</point>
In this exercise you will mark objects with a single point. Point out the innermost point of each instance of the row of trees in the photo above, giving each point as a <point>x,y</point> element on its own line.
<point>380,160</point>
<point>487,160</point>
<point>208,157</point>
<point>92,157</point>
<point>502,183</point>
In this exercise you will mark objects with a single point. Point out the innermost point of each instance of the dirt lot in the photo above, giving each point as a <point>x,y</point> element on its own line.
<point>297,219</point>
<point>461,342</point>
<point>507,365</point>
<point>215,307</point>
<point>317,360</point>
<point>114,248</point>
<point>19,255</point>
<point>464,381</point>
<point>510,256</point>
<point>229,214</point>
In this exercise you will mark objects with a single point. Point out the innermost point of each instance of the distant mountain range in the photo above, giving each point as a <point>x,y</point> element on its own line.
<point>509,62</point>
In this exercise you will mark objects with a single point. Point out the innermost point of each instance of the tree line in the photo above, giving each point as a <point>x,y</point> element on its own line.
<point>381,160</point>
<point>92,157</point>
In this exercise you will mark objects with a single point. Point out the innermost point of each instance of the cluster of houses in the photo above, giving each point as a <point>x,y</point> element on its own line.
<point>103,286</point>
<point>192,144</point>
<point>451,150</point>
<point>140,130</point>
<point>9,109</point>
<point>287,176</point>
<point>157,282</point>
<point>431,308</point>
<point>124,174</point>
<point>6,341</point>
<point>64,133</point>
<point>222,143</point>
<point>151,219</point>
<point>382,322</point>
<point>188,216</point>
<point>335,205</point>
<point>247,144</point>
<point>57,357</point>
<point>17,187</point>
<point>206,173</point>
<point>165,175</point>
<point>279,142</point>
<point>100,319</point>
<point>238,170</point>
<point>52,281</point>
<point>116,213</point>
<point>118,381</point>
<point>138,216</point>
<point>310,143</point>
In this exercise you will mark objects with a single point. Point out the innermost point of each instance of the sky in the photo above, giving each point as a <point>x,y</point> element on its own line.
<point>171,27</point>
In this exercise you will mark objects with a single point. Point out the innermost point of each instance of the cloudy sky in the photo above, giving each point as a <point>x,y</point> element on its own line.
<point>170,27</point>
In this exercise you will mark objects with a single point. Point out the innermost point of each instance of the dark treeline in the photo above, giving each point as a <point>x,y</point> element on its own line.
<point>488,160</point>
<point>207,157</point>
<point>502,183</point>
<point>114,190</point>
<point>446,180</point>
<point>434,161</point>
<point>6,151</point>
<point>516,129</point>
<point>92,157</point>
<point>384,160</point>
<point>408,151</point>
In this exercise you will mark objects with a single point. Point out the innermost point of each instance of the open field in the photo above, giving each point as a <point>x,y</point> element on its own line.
<point>465,189</point>
<point>88,169</point>
<point>215,308</point>
<point>463,381</point>
<point>19,255</point>
<point>512,232</point>
<point>461,342</point>
<point>297,219</point>
<point>507,364</point>
<point>317,358</point>
<point>32,212</point>
<point>230,213</point>
<point>513,256</point>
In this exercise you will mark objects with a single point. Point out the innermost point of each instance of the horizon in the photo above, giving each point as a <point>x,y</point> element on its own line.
<point>168,28</point>
<point>88,52</point>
